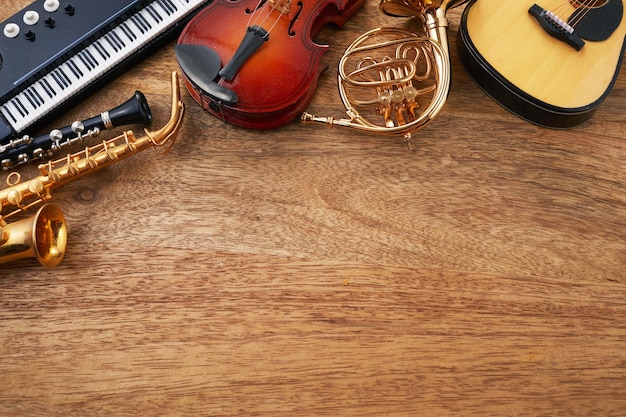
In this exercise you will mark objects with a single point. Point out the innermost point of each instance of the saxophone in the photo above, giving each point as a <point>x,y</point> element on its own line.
<point>44,235</point>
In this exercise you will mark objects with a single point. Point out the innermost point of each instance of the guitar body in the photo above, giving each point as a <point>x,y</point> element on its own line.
<point>533,73</point>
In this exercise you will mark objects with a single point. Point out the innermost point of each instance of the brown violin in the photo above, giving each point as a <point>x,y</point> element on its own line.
<point>254,63</point>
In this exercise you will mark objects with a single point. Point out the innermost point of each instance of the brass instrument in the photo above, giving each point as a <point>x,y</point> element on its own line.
<point>27,148</point>
<point>392,81</point>
<point>44,236</point>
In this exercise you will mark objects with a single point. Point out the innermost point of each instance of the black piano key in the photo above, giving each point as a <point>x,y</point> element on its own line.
<point>109,45</point>
<point>48,88</point>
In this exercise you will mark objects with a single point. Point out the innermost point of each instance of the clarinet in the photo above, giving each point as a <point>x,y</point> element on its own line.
<point>25,149</point>
<point>43,235</point>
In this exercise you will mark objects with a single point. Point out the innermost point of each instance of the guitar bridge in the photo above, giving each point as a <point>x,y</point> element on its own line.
<point>556,27</point>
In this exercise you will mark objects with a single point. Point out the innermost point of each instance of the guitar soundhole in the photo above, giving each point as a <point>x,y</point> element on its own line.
<point>593,4</point>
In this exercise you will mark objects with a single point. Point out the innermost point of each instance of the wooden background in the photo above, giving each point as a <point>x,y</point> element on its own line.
<point>315,271</point>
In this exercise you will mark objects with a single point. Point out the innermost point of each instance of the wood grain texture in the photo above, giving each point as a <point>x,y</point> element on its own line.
<point>315,271</point>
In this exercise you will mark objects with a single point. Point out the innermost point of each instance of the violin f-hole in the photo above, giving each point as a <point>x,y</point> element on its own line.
<point>290,31</point>
<point>257,7</point>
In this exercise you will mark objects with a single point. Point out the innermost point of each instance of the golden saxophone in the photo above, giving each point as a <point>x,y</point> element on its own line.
<point>392,81</point>
<point>44,235</point>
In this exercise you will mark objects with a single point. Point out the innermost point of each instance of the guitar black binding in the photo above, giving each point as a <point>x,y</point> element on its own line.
<point>521,103</point>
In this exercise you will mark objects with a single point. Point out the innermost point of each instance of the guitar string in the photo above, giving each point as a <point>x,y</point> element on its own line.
<point>588,5</point>
<point>565,7</point>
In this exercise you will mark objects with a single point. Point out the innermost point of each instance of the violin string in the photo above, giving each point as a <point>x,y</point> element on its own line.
<point>256,16</point>
<point>254,13</point>
<point>282,12</point>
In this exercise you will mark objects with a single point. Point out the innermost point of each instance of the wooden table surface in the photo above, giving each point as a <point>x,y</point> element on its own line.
<point>314,271</point>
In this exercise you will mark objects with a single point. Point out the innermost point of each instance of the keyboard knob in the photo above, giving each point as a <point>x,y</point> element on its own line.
<point>31,17</point>
<point>69,9</point>
<point>11,30</point>
<point>51,5</point>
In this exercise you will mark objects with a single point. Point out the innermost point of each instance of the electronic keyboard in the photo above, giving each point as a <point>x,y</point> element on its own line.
<point>52,54</point>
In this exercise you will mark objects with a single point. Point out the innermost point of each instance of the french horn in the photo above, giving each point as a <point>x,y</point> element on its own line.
<point>393,81</point>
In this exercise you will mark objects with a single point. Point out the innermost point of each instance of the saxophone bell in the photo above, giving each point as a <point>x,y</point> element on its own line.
<point>42,236</point>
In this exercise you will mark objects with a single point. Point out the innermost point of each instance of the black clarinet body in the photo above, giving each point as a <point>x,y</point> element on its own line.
<point>25,149</point>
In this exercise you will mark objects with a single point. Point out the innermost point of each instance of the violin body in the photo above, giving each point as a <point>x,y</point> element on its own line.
<point>276,79</point>
<point>551,73</point>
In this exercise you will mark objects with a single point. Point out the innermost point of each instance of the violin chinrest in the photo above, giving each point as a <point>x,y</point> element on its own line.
<point>202,65</point>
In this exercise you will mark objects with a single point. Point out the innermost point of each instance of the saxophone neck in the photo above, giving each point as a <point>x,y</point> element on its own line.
<point>166,136</point>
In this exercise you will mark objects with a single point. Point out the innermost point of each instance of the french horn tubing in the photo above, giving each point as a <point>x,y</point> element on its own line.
<point>392,81</point>
<point>44,235</point>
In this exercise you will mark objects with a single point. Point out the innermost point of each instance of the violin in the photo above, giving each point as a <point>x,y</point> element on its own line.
<point>254,63</point>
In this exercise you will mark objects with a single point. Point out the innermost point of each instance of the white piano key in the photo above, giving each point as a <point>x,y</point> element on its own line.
<point>89,64</point>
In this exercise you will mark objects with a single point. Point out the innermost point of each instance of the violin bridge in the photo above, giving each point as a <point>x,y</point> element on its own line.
<point>282,6</point>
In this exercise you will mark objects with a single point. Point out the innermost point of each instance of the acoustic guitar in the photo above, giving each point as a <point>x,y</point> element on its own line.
<point>551,62</point>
